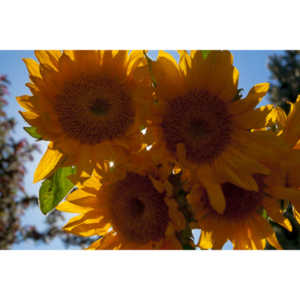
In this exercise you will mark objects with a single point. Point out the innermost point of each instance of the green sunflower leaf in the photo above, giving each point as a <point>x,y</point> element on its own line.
<point>238,95</point>
<point>205,53</point>
<point>264,214</point>
<point>55,189</point>
<point>33,132</point>
<point>150,61</point>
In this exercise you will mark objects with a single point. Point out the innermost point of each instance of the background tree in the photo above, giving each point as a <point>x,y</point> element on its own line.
<point>285,72</point>
<point>14,200</point>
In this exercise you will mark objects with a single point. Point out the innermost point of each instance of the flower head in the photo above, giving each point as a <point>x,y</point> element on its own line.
<point>87,104</point>
<point>245,219</point>
<point>131,213</point>
<point>200,125</point>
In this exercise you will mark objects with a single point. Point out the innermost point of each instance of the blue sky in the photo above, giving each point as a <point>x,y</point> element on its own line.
<point>252,66</point>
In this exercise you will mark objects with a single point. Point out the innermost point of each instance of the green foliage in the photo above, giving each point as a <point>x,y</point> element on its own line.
<point>150,61</point>
<point>14,154</point>
<point>185,238</point>
<point>264,214</point>
<point>238,95</point>
<point>54,189</point>
<point>32,131</point>
<point>14,200</point>
<point>285,70</point>
<point>205,53</point>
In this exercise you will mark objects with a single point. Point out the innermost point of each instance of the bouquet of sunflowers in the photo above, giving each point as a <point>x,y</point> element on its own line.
<point>147,151</point>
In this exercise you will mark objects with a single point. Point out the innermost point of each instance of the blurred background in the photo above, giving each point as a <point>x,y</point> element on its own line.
<point>23,226</point>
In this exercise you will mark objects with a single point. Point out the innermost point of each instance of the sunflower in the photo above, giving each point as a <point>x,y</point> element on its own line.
<point>245,219</point>
<point>88,104</point>
<point>200,125</point>
<point>132,213</point>
<point>289,129</point>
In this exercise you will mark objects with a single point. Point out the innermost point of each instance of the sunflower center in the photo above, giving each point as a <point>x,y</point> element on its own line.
<point>139,213</point>
<point>241,203</point>
<point>100,107</point>
<point>201,122</point>
<point>199,128</point>
<point>93,110</point>
<point>137,207</point>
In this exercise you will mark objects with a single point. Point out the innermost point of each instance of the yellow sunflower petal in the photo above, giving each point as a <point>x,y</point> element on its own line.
<point>65,63</point>
<point>136,58</point>
<point>79,194</point>
<point>95,245</point>
<point>216,74</point>
<point>219,241</point>
<point>257,118</point>
<point>296,215</point>
<point>87,203</point>
<point>49,58</point>
<point>26,102</point>
<point>252,100</point>
<point>168,78</point>
<point>120,58</point>
<point>205,241</point>
<point>278,116</point>
<point>165,55</point>
<point>284,222</point>
<point>185,62</point>
<point>70,54</point>
<point>216,196</point>
<point>289,194</point>
<point>91,217</point>
<point>292,129</point>
<point>54,56</point>
<point>274,242</point>
<point>233,175</point>
<point>32,67</point>
<point>107,242</point>
<point>48,164</point>
<point>29,116</point>
<point>213,188</point>
<point>240,160</point>
<point>91,229</point>
<point>240,240</point>
<point>67,206</point>
<point>87,60</point>
<point>274,211</point>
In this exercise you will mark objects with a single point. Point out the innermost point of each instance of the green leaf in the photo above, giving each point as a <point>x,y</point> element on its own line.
<point>55,188</point>
<point>264,214</point>
<point>33,132</point>
<point>205,53</point>
<point>238,95</point>
<point>149,61</point>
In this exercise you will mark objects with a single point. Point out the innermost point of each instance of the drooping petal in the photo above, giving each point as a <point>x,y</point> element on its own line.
<point>251,101</point>
<point>274,242</point>
<point>48,164</point>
